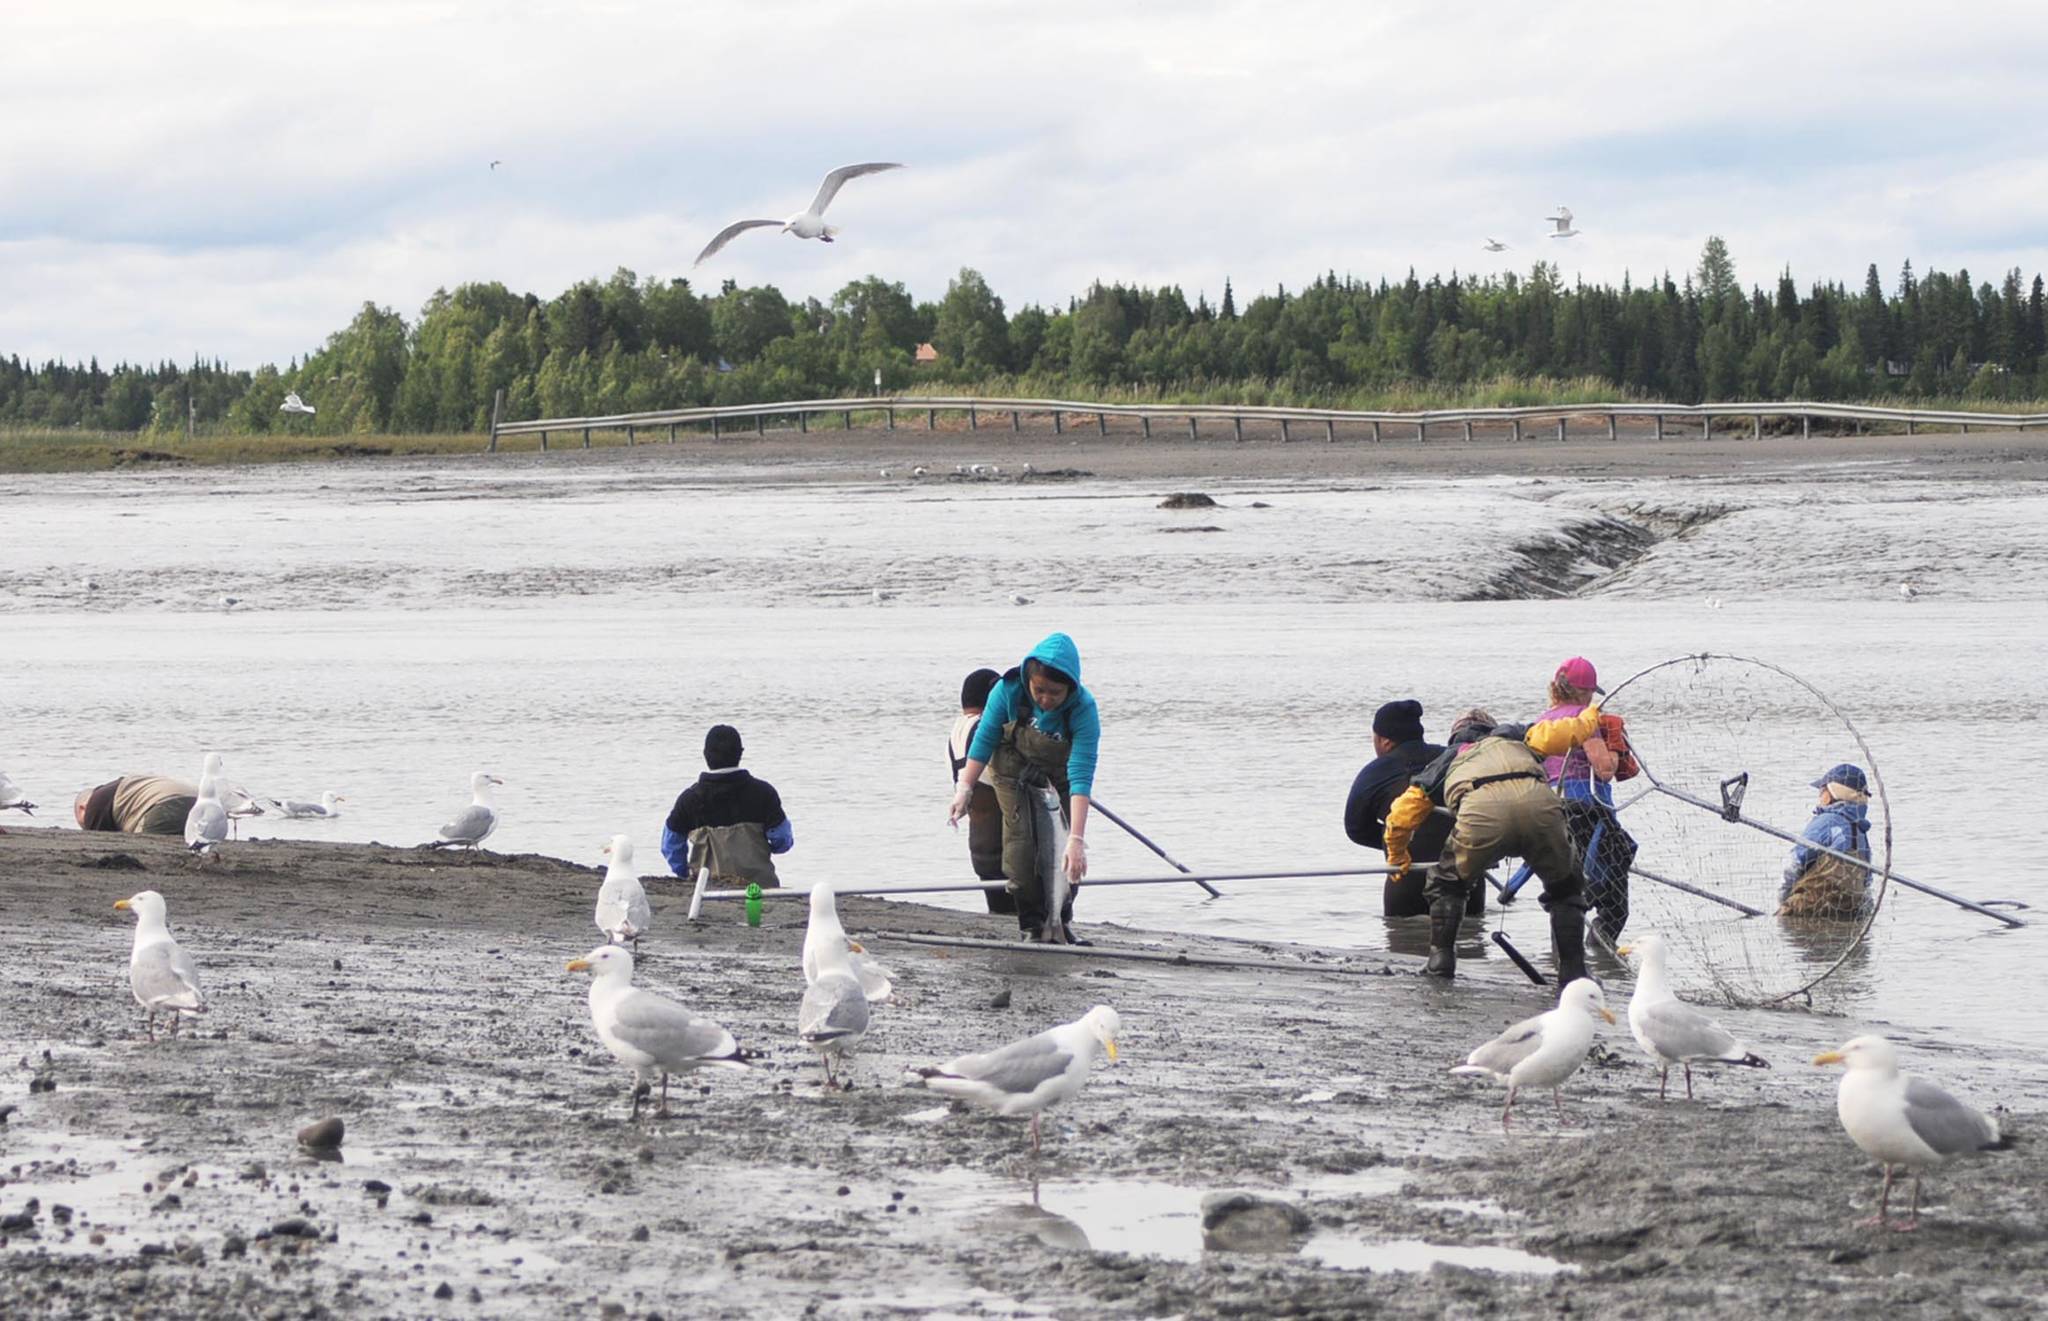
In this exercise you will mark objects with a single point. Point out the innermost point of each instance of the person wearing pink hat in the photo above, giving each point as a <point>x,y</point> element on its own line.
<point>1584,777</point>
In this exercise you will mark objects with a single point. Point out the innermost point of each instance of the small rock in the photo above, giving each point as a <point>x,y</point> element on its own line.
<point>168,1202</point>
<point>639,1234</point>
<point>644,1155</point>
<point>253,1171</point>
<point>1247,1222</point>
<point>42,1082</point>
<point>16,1222</point>
<point>476,1295</point>
<point>421,1217</point>
<point>845,1191</point>
<point>1001,999</point>
<point>60,1214</point>
<point>323,1135</point>
<point>234,1245</point>
<point>97,1239</point>
<point>1188,500</point>
<point>295,1227</point>
<point>376,1187</point>
<point>444,1290</point>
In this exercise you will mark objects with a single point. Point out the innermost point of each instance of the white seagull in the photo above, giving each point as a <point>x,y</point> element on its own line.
<point>1025,1077</point>
<point>160,972</point>
<point>824,928</point>
<point>206,825</point>
<point>834,1014</point>
<point>809,224</point>
<point>1671,1031</point>
<point>1545,1050</point>
<point>293,404</point>
<point>474,823</point>
<point>1907,591</point>
<point>300,809</point>
<point>649,1033</point>
<point>1563,221</point>
<point>234,799</point>
<point>1901,1120</point>
<point>12,799</point>
<point>623,913</point>
<point>1495,245</point>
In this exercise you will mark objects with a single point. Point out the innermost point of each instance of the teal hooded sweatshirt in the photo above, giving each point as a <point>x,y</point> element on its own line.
<point>1075,720</point>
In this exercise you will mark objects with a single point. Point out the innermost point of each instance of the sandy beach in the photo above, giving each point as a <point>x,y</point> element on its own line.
<point>489,1167</point>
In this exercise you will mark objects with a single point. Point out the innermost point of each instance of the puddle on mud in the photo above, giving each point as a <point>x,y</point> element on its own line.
<point>1410,1254</point>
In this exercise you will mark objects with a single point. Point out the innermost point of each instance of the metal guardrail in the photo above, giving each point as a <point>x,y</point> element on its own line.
<point>1061,410</point>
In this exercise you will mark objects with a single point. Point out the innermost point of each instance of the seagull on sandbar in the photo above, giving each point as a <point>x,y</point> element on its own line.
<point>1545,1050</point>
<point>475,822</point>
<point>1671,1031</point>
<point>1563,221</point>
<point>1898,1119</point>
<point>1907,591</point>
<point>807,224</point>
<point>1025,1077</point>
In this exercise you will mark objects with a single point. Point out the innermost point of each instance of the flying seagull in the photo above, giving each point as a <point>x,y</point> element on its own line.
<point>809,224</point>
<point>293,404</point>
<point>496,164</point>
<point>1563,221</point>
<point>1495,245</point>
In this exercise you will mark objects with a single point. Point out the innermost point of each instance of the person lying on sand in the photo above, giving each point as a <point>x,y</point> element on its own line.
<point>136,805</point>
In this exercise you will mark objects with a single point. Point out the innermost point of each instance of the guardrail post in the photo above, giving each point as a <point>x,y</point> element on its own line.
<point>892,419</point>
<point>1101,425</point>
<point>1145,419</point>
<point>543,441</point>
<point>497,403</point>
<point>1329,431</point>
<point>1191,426</point>
<point>1706,428</point>
<point>973,422</point>
<point>586,438</point>
<point>629,436</point>
<point>1756,427</point>
<point>1375,432</point>
<point>716,430</point>
<point>1660,426</point>
<point>1014,424</point>
<point>1468,428</point>
<point>803,423</point>
<point>1286,436</point>
<point>1610,426</point>
<point>1909,427</point>
<point>847,418</point>
<point>1560,430</point>
<point>1059,424</point>
<point>1236,427</point>
<point>931,419</point>
<point>1515,430</point>
<point>1418,431</point>
<point>760,424</point>
<point>671,433</point>
<point>1805,427</point>
<point>1966,428</point>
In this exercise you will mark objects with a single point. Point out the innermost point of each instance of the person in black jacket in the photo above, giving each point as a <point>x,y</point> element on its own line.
<point>727,820</point>
<point>1399,751</point>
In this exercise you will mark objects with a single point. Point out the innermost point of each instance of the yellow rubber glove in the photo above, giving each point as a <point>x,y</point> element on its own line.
<point>1407,814</point>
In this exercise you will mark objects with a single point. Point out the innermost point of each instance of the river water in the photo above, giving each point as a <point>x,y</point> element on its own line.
<point>574,628</point>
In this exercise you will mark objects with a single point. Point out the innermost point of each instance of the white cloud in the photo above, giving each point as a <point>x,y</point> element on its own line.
<point>234,179</point>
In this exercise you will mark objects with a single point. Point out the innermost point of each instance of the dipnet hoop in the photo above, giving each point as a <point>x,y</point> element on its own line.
<point>1693,723</point>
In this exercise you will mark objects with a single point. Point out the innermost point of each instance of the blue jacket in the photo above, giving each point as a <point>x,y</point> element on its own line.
<point>1075,720</point>
<point>1844,827</point>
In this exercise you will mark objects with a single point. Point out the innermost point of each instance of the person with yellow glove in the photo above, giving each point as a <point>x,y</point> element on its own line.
<point>1490,777</point>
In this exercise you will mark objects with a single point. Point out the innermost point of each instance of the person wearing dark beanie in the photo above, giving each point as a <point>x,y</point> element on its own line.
<point>1399,750</point>
<point>984,812</point>
<point>728,821</point>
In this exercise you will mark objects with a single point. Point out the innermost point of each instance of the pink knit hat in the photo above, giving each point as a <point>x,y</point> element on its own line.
<point>1579,673</point>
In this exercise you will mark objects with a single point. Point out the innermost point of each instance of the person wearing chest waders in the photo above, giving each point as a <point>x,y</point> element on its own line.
<point>1491,778</point>
<point>1399,750</point>
<point>728,821</point>
<point>1584,778</point>
<point>1039,728</point>
<point>984,814</point>
<point>1818,883</point>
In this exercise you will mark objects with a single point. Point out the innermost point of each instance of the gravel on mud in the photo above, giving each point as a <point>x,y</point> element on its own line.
<point>489,1167</point>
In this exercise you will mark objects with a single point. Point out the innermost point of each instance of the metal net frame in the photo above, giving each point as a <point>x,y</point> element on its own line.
<point>1727,747</point>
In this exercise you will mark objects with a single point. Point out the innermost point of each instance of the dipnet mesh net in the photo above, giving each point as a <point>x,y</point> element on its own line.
<point>1697,724</point>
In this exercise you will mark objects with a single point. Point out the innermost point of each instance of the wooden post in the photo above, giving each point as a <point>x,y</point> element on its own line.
<point>671,433</point>
<point>1013,419</point>
<point>1756,427</point>
<point>1966,428</point>
<point>973,422</point>
<point>1468,428</point>
<point>1191,426</point>
<point>1145,419</point>
<point>1805,427</point>
<point>1059,424</point>
<point>716,430</point>
<point>543,441</point>
<point>1610,426</point>
<point>1707,428</point>
<point>760,424</point>
<point>1236,427</point>
<point>586,438</point>
<point>931,419</point>
<point>1375,433</point>
<point>1910,427</point>
<point>1286,436</point>
<point>1101,426</point>
<point>892,419</point>
<point>847,418</point>
<point>1515,432</point>
<point>1660,426</point>
<point>1329,431</point>
<point>1560,430</point>
<point>497,404</point>
<point>629,435</point>
<point>803,423</point>
<point>1418,430</point>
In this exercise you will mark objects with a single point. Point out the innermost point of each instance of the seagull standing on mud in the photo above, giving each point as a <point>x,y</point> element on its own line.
<point>807,224</point>
<point>475,822</point>
<point>1563,221</point>
<point>834,1014</point>
<point>1545,1050</point>
<point>1898,1119</point>
<point>1671,1031</point>
<point>1026,1077</point>
<point>160,973</point>
<point>623,913</point>
<point>649,1033</point>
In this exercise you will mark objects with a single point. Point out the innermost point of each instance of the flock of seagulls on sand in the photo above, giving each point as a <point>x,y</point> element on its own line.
<point>1900,1121</point>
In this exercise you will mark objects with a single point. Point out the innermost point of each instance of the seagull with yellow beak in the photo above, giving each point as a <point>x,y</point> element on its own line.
<point>1545,1050</point>
<point>649,1033</point>
<point>160,972</point>
<point>1027,1077</point>
<point>1898,1119</point>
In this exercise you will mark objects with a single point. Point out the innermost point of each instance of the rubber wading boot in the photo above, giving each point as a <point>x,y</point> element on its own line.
<point>1568,942</point>
<point>1444,918</point>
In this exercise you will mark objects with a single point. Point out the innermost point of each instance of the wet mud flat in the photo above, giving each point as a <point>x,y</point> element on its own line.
<point>489,1167</point>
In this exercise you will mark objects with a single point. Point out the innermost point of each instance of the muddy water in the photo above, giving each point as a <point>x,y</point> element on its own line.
<point>574,629</point>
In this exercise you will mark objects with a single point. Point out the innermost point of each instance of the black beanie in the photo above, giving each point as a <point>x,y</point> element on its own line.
<point>974,693</point>
<point>722,748</point>
<point>1400,721</point>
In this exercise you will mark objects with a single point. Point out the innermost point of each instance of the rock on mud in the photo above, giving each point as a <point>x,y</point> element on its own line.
<point>1247,1222</point>
<point>1188,500</point>
<point>323,1135</point>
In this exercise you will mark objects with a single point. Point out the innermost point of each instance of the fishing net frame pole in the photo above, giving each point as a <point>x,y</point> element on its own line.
<point>701,894</point>
<point>1699,660</point>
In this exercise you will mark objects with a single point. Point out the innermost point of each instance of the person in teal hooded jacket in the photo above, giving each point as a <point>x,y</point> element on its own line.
<point>1040,726</point>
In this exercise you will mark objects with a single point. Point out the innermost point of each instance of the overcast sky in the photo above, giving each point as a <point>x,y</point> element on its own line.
<point>234,179</point>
